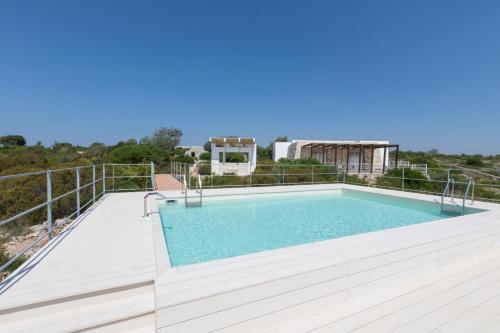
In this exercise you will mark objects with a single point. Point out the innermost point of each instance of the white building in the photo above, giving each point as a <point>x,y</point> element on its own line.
<point>355,156</point>
<point>193,151</point>
<point>227,150</point>
<point>280,150</point>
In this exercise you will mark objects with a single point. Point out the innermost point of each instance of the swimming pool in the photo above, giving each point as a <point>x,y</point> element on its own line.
<point>232,226</point>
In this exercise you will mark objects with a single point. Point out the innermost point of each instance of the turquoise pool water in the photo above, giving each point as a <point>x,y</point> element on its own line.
<point>236,226</point>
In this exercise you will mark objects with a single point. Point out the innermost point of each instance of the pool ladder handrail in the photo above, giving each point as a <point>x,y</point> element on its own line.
<point>446,193</point>
<point>198,189</point>
<point>470,185</point>
<point>146,201</point>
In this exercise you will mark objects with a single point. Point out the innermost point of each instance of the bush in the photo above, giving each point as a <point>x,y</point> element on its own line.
<point>206,156</point>
<point>475,161</point>
<point>143,153</point>
<point>184,159</point>
<point>4,258</point>
<point>236,157</point>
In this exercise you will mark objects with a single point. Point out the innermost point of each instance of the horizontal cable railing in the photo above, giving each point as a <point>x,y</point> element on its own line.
<point>432,181</point>
<point>62,195</point>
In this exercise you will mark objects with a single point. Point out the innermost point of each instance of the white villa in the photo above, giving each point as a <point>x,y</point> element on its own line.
<point>193,151</point>
<point>356,156</point>
<point>222,146</point>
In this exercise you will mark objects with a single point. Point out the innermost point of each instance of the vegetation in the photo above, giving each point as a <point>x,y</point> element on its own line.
<point>22,193</point>
<point>12,140</point>
<point>266,153</point>
<point>165,138</point>
<point>19,194</point>
<point>475,161</point>
<point>4,258</point>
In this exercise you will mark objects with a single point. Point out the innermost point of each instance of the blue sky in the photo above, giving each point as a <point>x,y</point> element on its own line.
<point>425,74</point>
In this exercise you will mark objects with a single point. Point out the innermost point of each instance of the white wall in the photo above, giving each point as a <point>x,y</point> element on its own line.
<point>219,168</point>
<point>280,150</point>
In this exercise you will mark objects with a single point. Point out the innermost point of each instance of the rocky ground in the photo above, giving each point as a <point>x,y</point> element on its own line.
<point>18,243</point>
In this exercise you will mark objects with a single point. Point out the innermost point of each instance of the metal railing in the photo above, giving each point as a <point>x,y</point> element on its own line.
<point>56,195</point>
<point>402,178</point>
<point>198,189</point>
<point>146,201</point>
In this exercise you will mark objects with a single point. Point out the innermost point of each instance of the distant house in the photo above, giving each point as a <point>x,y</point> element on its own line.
<point>355,156</point>
<point>193,151</point>
<point>233,155</point>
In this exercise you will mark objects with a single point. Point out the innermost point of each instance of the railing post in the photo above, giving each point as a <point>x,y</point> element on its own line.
<point>345,172</point>
<point>93,184</point>
<point>113,177</point>
<point>77,191</point>
<point>312,174</point>
<point>283,175</point>
<point>153,180</point>
<point>472,196</point>
<point>49,204</point>
<point>103,178</point>
<point>403,179</point>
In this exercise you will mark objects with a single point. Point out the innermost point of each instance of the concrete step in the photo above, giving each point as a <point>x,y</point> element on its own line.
<point>142,324</point>
<point>132,304</point>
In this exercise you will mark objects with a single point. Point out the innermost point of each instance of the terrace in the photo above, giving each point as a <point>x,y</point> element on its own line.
<point>106,268</point>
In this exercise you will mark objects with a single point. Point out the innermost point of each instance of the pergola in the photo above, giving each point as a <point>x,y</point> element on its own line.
<point>222,145</point>
<point>324,147</point>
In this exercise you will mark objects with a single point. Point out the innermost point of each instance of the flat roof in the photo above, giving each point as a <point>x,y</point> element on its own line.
<point>232,141</point>
<point>345,142</point>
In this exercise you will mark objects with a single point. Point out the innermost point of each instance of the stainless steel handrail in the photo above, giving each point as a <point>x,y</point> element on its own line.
<point>466,194</point>
<point>446,191</point>
<point>199,188</point>
<point>146,201</point>
<point>184,183</point>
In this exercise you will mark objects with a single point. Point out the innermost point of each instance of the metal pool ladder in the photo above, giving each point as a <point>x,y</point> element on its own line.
<point>450,186</point>
<point>198,189</point>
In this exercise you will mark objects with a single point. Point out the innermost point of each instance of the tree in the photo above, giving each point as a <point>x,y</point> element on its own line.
<point>167,138</point>
<point>207,146</point>
<point>264,153</point>
<point>282,138</point>
<point>136,154</point>
<point>62,146</point>
<point>12,140</point>
<point>97,148</point>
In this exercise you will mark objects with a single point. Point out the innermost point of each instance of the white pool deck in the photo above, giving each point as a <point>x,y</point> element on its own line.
<point>440,276</point>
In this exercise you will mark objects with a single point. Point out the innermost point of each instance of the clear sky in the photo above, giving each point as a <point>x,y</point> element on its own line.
<point>425,74</point>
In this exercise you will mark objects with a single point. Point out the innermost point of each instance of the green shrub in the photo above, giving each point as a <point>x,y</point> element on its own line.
<point>475,161</point>
<point>206,156</point>
<point>4,258</point>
